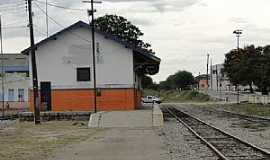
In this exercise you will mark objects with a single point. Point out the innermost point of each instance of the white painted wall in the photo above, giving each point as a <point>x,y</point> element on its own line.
<point>223,81</point>
<point>58,59</point>
<point>217,77</point>
<point>15,83</point>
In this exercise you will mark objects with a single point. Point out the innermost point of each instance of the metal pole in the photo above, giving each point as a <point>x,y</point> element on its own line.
<point>238,33</point>
<point>94,55</point>
<point>199,81</point>
<point>238,50</point>
<point>207,77</point>
<point>217,77</point>
<point>211,75</point>
<point>2,67</point>
<point>34,66</point>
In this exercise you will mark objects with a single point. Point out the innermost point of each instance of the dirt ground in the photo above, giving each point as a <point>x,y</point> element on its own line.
<point>25,141</point>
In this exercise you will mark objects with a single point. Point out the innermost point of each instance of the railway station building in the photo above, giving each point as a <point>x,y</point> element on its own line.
<point>65,71</point>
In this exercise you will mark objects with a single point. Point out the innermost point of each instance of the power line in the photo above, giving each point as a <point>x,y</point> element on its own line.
<point>61,7</point>
<point>16,22</point>
<point>39,30</point>
<point>13,4</point>
<point>13,27</point>
<point>52,19</point>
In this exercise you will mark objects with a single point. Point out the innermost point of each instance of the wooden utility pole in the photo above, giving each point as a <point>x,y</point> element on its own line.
<point>34,66</point>
<point>92,24</point>
<point>2,69</point>
<point>94,54</point>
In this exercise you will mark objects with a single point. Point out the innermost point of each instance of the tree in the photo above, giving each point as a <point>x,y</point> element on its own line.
<point>123,29</point>
<point>263,70</point>
<point>183,80</point>
<point>164,85</point>
<point>241,66</point>
<point>147,82</point>
<point>180,80</point>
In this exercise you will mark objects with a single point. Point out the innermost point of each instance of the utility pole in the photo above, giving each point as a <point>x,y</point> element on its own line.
<point>92,25</point>
<point>34,65</point>
<point>2,71</point>
<point>217,77</point>
<point>207,75</point>
<point>211,74</point>
<point>199,81</point>
<point>238,33</point>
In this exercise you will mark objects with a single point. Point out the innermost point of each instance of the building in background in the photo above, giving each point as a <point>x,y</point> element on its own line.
<point>202,82</point>
<point>65,72</point>
<point>16,80</point>
<point>218,80</point>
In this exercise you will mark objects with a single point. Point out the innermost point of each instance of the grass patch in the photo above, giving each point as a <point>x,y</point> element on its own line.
<point>25,141</point>
<point>179,97</point>
<point>250,109</point>
<point>245,108</point>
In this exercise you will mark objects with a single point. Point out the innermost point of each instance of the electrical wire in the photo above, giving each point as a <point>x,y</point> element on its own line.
<point>16,22</point>
<point>53,20</point>
<point>61,7</point>
<point>13,27</point>
<point>39,30</point>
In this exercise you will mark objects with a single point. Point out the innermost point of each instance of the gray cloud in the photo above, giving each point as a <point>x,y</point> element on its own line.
<point>173,5</point>
<point>238,20</point>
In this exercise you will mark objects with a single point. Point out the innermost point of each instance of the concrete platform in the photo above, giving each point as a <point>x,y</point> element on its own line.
<point>117,144</point>
<point>147,117</point>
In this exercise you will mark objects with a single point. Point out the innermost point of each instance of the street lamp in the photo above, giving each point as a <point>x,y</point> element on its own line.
<point>92,24</point>
<point>238,33</point>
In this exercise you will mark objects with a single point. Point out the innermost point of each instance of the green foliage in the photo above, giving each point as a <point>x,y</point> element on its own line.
<point>180,80</point>
<point>176,96</point>
<point>123,29</point>
<point>248,66</point>
<point>147,83</point>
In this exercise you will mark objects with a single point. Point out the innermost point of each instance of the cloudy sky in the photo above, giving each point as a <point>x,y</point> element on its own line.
<point>181,32</point>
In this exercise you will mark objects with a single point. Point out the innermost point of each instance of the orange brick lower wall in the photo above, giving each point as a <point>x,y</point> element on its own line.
<point>82,99</point>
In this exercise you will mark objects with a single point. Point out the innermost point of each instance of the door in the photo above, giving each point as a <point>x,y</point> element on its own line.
<point>11,95</point>
<point>21,95</point>
<point>45,93</point>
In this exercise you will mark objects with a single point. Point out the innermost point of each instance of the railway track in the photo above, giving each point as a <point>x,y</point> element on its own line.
<point>255,119</point>
<point>224,145</point>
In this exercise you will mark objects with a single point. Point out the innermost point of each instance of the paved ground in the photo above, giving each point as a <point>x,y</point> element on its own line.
<point>132,119</point>
<point>117,144</point>
<point>129,135</point>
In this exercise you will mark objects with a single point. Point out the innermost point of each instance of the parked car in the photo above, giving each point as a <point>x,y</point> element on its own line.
<point>151,99</point>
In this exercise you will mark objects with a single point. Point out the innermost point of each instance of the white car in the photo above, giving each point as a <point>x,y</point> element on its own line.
<point>151,99</point>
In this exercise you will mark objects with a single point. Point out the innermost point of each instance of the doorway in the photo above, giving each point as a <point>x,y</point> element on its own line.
<point>45,94</point>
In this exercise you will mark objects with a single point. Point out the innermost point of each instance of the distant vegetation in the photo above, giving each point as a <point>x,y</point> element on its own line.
<point>176,96</point>
<point>182,80</point>
<point>176,88</point>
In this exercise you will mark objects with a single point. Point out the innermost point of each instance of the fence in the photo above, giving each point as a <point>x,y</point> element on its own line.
<point>259,99</point>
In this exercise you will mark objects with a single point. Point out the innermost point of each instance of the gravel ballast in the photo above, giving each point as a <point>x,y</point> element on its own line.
<point>182,144</point>
<point>254,133</point>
